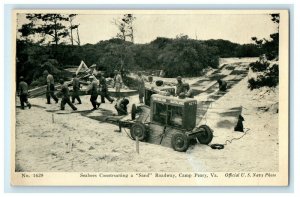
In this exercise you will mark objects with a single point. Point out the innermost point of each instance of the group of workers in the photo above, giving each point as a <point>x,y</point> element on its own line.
<point>94,86</point>
<point>182,91</point>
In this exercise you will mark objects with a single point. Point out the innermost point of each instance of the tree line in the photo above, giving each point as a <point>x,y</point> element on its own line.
<point>52,42</point>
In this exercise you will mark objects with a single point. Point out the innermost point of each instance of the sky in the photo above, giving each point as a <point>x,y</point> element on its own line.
<point>238,28</point>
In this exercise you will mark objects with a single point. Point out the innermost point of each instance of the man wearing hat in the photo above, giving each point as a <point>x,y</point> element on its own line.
<point>93,90</point>
<point>65,96</point>
<point>104,90</point>
<point>50,87</point>
<point>180,86</point>
<point>76,88</point>
<point>23,93</point>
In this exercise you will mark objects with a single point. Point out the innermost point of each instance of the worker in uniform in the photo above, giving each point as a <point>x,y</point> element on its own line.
<point>23,93</point>
<point>121,106</point>
<point>76,88</point>
<point>141,87</point>
<point>180,86</point>
<point>50,87</point>
<point>150,78</point>
<point>93,90</point>
<point>104,90</point>
<point>65,96</point>
<point>118,83</point>
<point>222,85</point>
<point>188,91</point>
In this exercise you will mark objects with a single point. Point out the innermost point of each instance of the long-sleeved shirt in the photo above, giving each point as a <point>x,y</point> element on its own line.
<point>23,88</point>
<point>50,79</point>
<point>102,83</point>
<point>76,84</point>
<point>65,90</point>
<point>179,88</point>
<point>93,88</point>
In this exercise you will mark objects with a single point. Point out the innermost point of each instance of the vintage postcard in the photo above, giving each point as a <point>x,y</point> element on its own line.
<point>150,98</point>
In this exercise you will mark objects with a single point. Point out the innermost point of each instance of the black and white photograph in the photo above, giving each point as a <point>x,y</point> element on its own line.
<point>150,97</point>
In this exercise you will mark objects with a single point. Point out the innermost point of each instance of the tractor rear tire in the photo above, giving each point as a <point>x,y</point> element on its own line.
<point>133,112</point>
<point>180,142</point>
<point>206,136</point>
<point>138,130</point>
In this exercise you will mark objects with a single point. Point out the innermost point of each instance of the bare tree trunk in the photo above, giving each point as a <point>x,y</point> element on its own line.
<point>78,38</point>
<point>131,34</point>
<point>55,33</point>
<point>124,36</point>
<point>71,35</point>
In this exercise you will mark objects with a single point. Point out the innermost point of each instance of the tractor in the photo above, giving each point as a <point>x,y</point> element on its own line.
<point>168,121</point>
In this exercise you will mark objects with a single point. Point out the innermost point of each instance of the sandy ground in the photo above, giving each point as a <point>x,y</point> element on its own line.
<point>48,139</point>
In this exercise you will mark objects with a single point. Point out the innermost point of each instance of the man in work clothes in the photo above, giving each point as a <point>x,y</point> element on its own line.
<point>222,85</point>
<point>65,96</point>
<point>76,88</point>
<point>50,87</point>
<point>180,86</point>
<point>118,83</point>
<point>121,107</point>
<point>23,93</point>
<point>103,90</point>
<point>93,90</point>
<point>141,87</point>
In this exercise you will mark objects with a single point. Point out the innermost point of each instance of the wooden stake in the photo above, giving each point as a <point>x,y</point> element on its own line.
<point>137,145</point>
<point>69,146</point>
<point>52,118</point>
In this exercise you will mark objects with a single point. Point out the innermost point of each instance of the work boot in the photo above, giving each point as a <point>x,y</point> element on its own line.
<point>29,105</point>
<point>56,101</point>
<point>93,109</point>
<point>112,101</point>
<point>75,109</point>
<point>98,105</point>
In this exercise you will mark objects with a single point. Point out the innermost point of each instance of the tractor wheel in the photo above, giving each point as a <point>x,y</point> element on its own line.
<point>133,112</point>
<point>138,130</point>
<point>180,142</point>
<point>206,136</point>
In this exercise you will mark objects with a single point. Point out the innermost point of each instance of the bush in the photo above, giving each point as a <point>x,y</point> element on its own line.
<point>259,66</point>
<point>269,78</point>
